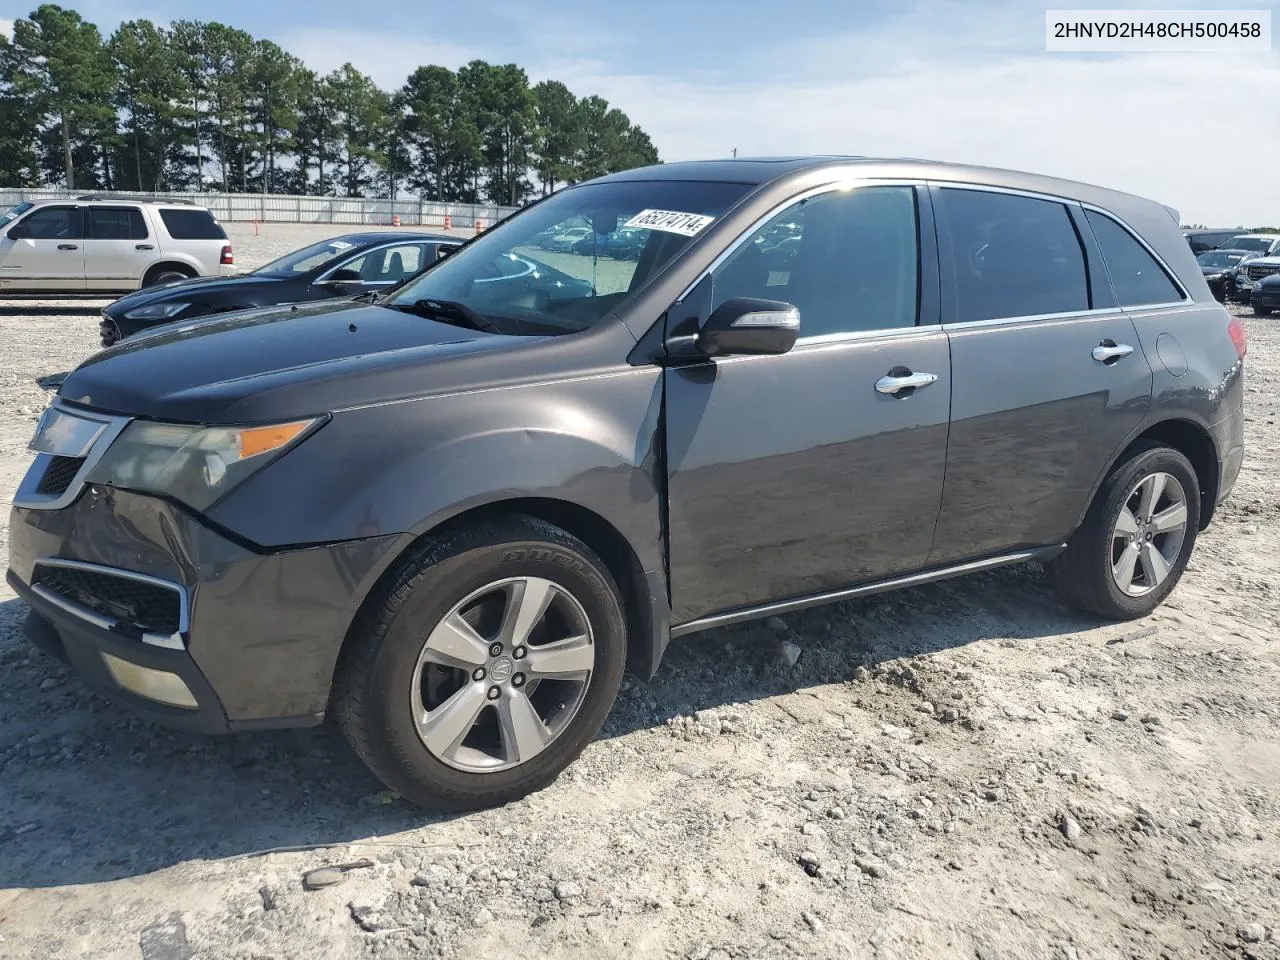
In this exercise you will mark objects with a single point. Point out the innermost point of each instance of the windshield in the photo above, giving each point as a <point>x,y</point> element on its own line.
<point>14,212</point>
<point>1216,258</point>
<point>1248,243</point>
<point>563,264</point>
<point>307,259</point>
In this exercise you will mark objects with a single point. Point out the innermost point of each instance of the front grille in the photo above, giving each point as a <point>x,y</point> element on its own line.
<point>1256,271</point>
<point>58,475</point>
<point>149,607</point>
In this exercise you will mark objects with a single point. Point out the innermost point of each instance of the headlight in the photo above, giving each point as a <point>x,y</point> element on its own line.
<point>1213,276</point>
<point>156,311</point>
<point>194,465</point>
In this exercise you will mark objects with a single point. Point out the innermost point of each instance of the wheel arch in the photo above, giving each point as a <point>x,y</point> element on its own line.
<point>160,266</point>
<point>1194,442</point>
<point>644,598</point>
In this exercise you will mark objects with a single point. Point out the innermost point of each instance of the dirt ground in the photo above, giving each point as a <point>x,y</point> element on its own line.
<point>961,770</point>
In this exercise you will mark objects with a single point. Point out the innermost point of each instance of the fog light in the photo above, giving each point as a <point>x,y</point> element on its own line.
<point>153,684</point>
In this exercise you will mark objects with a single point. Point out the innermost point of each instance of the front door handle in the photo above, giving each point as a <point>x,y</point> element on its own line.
<point>68,246</point>
<point>143,246</point>
<point>1108,351</point>
<point>904,383</point>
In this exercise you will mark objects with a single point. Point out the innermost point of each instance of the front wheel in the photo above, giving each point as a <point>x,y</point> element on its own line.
<point>485,666</point>
<point>1136,538</point>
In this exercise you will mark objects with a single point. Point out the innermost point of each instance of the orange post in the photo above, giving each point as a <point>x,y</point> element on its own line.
<point>395,219</point>
<point>448,222</point>
<point>479,226</point>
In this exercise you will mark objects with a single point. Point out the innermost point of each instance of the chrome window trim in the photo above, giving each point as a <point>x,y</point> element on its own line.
<point>173,641</point>
<point>845,183</point>
<point>368,250</point>
<point>832,340</point>
<point>1098,313</point>
<point>26,496</point>
<point>1170,273</point>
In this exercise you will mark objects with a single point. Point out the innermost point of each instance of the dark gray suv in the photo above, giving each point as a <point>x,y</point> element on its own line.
<point>453,516</point>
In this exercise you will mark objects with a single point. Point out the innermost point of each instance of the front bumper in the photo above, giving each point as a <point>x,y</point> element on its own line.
<point>261,632</point>
<point>1268,299</point>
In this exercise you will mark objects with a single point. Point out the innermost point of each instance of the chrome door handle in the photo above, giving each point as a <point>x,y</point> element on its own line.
<point>67,246</point>
<point>143,246</point>
<point>893,385</point>
<point>1109,352</point>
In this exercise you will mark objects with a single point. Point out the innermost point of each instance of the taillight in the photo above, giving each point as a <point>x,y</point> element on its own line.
<point>227,257</point>
<point>1237,337</point>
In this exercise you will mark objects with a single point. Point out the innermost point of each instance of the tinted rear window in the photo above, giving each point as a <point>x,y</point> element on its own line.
<point>116,223</point>
<point>192,225</point>
<point>1138,279</point>
<point>1014,256</point>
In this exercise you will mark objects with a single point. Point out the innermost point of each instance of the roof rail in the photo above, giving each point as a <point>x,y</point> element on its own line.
<point>149,199</point>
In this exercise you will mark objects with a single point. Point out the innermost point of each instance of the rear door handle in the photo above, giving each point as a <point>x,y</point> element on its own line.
<point>68,246</point>
<point>1108,351</point>
<point>143,246</point>
<point>895,384</point>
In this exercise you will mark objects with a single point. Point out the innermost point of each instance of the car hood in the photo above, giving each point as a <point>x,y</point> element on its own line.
<point>272,363</point>
<point>193,288</point>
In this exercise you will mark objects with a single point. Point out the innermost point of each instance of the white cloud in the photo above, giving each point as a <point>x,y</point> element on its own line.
<point>6,28</point>
<point>938,81</point>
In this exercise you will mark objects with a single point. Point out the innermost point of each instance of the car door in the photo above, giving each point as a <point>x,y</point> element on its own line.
<point>1048,379</point>
<point>117,247</point>
<point>47,252</point>
<point>822,467</point>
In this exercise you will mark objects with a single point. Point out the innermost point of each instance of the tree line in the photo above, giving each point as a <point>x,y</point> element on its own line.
<point>201,105</point>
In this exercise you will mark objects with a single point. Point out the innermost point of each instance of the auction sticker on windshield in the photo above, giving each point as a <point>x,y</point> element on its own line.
<point>670,221</point>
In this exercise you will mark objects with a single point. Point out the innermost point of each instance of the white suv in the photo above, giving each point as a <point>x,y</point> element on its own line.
<point>108,245</point>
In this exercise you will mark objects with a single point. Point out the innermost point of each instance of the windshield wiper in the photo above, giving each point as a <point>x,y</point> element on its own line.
<point>450,311</point>
<point>369,296</point>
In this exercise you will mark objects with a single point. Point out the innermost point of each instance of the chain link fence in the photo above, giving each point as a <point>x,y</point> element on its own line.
<point>287,208</point>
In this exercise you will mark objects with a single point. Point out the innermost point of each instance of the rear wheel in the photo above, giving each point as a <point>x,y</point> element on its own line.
<point>1136,539</point>
<point>486,665</point>
<point>165,275</point>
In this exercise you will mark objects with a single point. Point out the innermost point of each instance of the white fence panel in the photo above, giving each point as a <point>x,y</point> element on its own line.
<point>288,208</point>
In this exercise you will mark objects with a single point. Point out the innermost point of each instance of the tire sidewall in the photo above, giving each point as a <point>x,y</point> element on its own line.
<point>442,586</point>
<point>1157,460</point>
<point>165,276</point>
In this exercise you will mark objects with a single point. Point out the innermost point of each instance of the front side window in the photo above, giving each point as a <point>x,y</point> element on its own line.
<point>1136,276</point>
<point>53,223</point>
<point>1014,256</point>
<point>389,264</point>
<point>565,263</point>
<point>116,223</point>
<point>848,259</point>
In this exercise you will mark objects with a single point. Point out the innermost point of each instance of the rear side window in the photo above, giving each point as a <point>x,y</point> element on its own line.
<point>116,223</point>
<point>1137,277</point>
<point>192,225</point>
<point>1014,256</point>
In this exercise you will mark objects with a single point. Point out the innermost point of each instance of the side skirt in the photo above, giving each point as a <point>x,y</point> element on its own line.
<point>880,586</point>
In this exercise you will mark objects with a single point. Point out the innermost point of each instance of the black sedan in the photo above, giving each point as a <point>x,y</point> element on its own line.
<point>1219,269</point>
<point>345,266</point>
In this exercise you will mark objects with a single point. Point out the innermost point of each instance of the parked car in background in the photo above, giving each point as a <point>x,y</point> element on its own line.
<point>452,517</point>
<point>621,244</point>
<point>1263,244</point>
<point>1202,240</point>
<point>345,266</point>
<point>1251,271</point>
<point>565,240</point>
<point>1265,295</point>
<point>103,244</point>
<point>1219,268</point>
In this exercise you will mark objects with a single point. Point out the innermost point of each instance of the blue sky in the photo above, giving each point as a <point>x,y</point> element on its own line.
<point>946,80</point>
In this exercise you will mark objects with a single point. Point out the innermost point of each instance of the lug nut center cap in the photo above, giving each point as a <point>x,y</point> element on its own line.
<point>501,669</point>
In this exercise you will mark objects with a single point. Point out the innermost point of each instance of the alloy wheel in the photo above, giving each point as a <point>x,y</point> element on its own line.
<point>1148,534</point>
<point>502,674</point>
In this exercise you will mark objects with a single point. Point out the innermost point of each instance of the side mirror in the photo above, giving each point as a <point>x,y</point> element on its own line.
<point>19,231</point>
<point>343,276</point>
<point>745,325</point>
<point>442,252</point>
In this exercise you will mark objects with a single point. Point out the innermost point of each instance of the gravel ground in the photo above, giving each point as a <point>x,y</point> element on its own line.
<point>962,770</point>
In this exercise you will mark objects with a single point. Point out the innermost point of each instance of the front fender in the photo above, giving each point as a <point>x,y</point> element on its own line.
<point>405,467</point>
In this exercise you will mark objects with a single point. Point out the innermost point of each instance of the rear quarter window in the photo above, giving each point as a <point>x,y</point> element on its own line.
<point>1137,277</point>
<point>192,225</point>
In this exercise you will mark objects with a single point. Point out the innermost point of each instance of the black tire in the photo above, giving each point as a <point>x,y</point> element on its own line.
<point>164,276</point>
<point>1082,574</point>
<point>372,689</point>
<point>1262,311</point>
<point>109,332</point>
